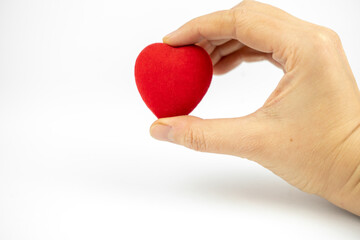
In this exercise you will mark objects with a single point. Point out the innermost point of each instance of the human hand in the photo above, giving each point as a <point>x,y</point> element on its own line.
<point>308,130</point>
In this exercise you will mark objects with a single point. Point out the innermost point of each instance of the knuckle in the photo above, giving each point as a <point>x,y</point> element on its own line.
<point>242,9</point>
<point>194,138</point>
<point>194,22</point>
<point>239,18</point>
<point>326,35</point>
<point>332,35</point>
<point>322,43</point>
<point>246,3</point>
<point>325,38</point>
<point>242,16</point>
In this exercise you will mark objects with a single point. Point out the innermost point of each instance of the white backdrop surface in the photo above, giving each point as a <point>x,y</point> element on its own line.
<point>76,158</point>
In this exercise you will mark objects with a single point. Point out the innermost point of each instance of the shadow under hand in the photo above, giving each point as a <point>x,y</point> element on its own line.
<point>267,192</point>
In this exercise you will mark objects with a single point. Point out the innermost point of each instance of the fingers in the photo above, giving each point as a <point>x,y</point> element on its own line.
<point>245,54</point>
<point>214,26</point>
<point>267,10</point>
<point>210,46</point>
<point>207,46</point>
<point>224,50</point>
<point>244,137</point>
<point>258,30</point>
<point>226,55</point>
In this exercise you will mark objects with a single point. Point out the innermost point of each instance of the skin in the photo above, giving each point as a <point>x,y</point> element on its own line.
<point>308,130</point>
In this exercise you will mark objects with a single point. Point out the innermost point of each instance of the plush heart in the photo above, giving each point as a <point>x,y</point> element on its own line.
<point>172,80</point>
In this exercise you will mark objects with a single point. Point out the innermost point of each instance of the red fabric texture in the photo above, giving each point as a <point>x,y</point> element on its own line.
<point>172,80</point>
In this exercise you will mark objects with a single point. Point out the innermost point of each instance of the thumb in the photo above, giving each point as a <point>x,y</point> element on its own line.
<point>242,137</point>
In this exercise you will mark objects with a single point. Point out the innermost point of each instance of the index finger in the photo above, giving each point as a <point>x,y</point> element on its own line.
<point>204,27</point>
<point>256,30</point>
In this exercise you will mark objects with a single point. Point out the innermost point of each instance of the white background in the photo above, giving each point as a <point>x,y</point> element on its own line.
<point>76,158</point>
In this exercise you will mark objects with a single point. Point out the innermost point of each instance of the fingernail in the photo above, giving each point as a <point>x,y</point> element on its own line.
<point>167,37</point>
<point>161,132</point>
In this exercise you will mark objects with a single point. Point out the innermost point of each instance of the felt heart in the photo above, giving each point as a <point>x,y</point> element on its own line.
<point>172,80</point>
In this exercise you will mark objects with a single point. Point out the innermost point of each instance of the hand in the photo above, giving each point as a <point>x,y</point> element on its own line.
<point>308,130</point>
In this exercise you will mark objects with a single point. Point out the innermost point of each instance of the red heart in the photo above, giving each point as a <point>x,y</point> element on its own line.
<point>172,80</point>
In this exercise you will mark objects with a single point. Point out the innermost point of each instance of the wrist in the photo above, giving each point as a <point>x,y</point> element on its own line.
<point>345,175</point>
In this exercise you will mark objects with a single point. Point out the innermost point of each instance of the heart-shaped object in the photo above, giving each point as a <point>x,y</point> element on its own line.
<point>173,80</point>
